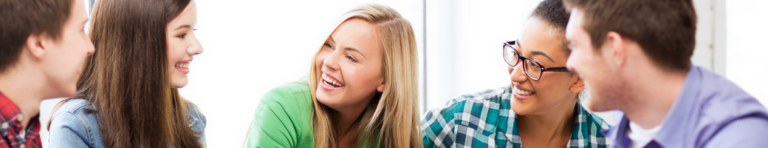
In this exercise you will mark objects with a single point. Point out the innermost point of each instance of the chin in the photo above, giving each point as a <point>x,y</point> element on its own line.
<point>520,109</point>
<point>179,84</point>
<point>326,100</point>
<point>598,103</point>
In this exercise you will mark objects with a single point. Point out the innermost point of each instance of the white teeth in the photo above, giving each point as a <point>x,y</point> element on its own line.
<point>330,81</point>
<point>182,65</point>
<point>522,92</point>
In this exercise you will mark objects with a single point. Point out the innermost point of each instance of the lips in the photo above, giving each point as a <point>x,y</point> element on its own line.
<point>182,67</point>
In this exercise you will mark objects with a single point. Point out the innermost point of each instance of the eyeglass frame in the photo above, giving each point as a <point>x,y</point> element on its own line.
<point>522,58</point>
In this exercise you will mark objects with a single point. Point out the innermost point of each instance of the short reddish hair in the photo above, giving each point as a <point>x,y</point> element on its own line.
<point>665,29</point>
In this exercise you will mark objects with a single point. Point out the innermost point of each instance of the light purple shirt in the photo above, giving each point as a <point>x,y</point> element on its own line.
<point>709,112</point>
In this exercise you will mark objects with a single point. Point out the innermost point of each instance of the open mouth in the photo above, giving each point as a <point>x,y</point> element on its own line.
<point>330,81</point>
<point>523,92</point>
<point>182,67</point>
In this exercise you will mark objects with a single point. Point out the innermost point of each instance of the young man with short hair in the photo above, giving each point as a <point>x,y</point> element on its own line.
<point>43,48</point>
<point>635,57</point>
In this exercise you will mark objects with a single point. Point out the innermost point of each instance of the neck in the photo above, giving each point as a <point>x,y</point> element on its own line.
<point>549,125</point>
<point>651,95</point>
<point>347,122</point>
<point>24,88</point>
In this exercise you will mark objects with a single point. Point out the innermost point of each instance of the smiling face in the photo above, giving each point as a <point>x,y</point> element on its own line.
<point>182,45</point>
<point>554,91</point>
<point>351,65</point>
<point>591,66</point>
<point>64,60</point>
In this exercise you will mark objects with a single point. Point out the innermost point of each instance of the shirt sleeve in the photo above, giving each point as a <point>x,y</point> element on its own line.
<point>437,127</point>
<point>277,122</point>
<point>743,133</point>
<point>66,130</point>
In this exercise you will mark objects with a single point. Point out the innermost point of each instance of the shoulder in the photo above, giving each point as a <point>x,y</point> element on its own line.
<point>74,106</point>
<point>718,89</point>
<point>723,107</point>
<point>720,101</point>
<point>488,105</point>
<point>493,99</point>
<point>594,124</point>
<point>74,119</point>
<point>75,111</point>
<point>195,117</point>
<point>295,93</point>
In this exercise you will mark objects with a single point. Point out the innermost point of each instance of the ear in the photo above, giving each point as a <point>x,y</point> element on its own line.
<point>616,42</point>
<point>578,85</point>
<point>380,88</point>
<point>36,45</point>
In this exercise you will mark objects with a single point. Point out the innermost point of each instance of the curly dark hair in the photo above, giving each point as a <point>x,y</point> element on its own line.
<point>554,13</point>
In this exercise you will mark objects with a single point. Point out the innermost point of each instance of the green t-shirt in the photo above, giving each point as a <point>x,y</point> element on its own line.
<point>283,119</point>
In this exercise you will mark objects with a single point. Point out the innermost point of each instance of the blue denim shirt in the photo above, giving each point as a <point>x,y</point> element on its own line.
<point>72,126</point>
<point>709,112</point>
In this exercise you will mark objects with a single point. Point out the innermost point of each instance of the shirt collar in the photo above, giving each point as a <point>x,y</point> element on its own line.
<point>10,119</point>
<point>580,115</point>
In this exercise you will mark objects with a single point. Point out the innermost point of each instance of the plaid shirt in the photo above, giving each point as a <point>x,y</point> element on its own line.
<point>10,126</point>
<point>486,119</point>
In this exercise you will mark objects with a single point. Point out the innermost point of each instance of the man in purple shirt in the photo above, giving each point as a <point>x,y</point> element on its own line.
<point>634,56</point>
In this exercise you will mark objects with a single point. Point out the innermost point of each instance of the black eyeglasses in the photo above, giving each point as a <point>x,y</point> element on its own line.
<point>531,68</point>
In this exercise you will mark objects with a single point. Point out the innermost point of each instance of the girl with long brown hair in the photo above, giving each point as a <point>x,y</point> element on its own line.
<point>127,94</point>
<point>361,92</point>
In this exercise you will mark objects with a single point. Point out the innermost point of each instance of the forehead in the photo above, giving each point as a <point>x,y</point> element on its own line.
<point>543,37</point>
<point>574,23</point>
<point>359,34</point>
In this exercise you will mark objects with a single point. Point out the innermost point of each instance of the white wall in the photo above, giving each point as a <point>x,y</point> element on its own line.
<point>747,27</point>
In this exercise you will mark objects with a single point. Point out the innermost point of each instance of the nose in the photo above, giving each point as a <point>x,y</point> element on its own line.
<point>331,61</point>
<point>196,48</point>
<point>516,73</point>
<point>89,45</point>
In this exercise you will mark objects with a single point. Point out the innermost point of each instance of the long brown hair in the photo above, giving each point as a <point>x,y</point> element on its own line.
<point>127,80</point>
<point>393,119</point>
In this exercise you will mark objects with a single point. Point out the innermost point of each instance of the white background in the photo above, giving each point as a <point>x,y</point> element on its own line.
<point>253,46</point>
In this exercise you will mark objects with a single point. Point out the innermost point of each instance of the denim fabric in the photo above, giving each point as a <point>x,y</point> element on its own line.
<point>73,126</point>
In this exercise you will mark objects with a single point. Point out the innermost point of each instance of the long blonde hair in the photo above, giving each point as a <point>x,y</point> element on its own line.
<point>394,122</point>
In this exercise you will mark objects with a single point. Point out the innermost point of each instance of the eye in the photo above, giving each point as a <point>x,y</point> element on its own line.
<point>535,64</point>
<point>350,57</point>
<point>328,45</point>
<point>182,35</point>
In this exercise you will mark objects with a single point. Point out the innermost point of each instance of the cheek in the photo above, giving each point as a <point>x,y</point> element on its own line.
<point>175,52</point>
<point>362,79</point>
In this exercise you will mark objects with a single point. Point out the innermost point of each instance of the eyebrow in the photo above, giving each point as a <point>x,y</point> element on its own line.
<point>536,52</point>
<point>184,27</point>
<point>358,51</point>
<point>349,48</point>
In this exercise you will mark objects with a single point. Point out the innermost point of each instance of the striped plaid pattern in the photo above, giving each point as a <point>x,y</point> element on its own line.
<point>486,119</point>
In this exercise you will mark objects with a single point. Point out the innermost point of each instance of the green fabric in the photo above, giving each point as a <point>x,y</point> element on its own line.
<point>283,119</point>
